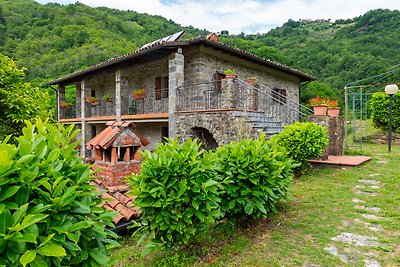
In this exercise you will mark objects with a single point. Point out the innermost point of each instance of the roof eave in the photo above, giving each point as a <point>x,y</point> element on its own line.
<point>112,62</point>
<point>303,76</point>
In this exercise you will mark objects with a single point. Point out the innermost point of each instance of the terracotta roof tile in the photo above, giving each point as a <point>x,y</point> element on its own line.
<point>106,137</point>
<point>118,201</point>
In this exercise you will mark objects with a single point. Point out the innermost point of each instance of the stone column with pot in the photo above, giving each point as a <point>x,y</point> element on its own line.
<point>335,129</point>
<point>176,64</point>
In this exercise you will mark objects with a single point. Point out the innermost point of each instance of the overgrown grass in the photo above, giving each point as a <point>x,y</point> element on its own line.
<point>297,235</point>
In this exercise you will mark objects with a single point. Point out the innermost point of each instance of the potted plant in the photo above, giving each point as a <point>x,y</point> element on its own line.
<point>251,80</point>
<point>65,105</point>
<point>93,100</point>
<point>230,73</point>
<point>333,109</point>
<point>107,98</point>
<point>319,105</point>
<point>139,93</point>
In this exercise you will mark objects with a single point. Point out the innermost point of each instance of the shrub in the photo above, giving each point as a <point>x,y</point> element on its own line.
<point>257,174</point>
<point>177,192</point>
<point>49,214</point>
<point>380,111</point>
<point>302,141</point>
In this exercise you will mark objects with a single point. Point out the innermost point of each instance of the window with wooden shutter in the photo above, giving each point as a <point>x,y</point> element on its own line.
<point>279,95</point>
<point>217,78</point>
<point>161,89</point>
<point>157,88</point>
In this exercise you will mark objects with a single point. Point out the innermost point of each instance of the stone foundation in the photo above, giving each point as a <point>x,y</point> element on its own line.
<point>335,128</point>
<point>113,174</point>
<point>224,126</point>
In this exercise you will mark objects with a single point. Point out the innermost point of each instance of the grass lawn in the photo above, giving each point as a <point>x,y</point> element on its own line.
<point>320,208</point>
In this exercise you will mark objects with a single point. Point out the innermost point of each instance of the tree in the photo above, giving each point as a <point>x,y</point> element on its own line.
<point>19,101</point>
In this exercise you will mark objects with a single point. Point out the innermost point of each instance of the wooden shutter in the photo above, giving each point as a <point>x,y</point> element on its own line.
<point>165,87</point>
<point>157,88</point>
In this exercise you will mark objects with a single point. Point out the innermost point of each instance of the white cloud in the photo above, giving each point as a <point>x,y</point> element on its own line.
<point>248,16</point>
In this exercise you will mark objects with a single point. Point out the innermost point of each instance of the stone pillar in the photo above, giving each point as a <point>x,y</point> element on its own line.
<point>83,117</point>
<point>60,99</point>
<point>118,81</point>
<point>228,97</point>
<point>335,129</point>
<point>176,65</point>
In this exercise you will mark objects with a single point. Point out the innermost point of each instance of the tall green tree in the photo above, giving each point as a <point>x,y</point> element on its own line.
<point>19,101</point>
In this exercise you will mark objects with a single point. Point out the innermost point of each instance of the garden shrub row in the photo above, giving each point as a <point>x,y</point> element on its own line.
<point>182,190</point>
<point>380,111</point>
<point>302,141</point>
<point>49,213</point>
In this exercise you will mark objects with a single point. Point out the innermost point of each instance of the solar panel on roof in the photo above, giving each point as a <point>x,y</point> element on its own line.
<point>172,37</point>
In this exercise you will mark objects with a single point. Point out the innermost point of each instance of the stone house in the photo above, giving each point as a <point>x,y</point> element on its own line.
<point>186,91</point>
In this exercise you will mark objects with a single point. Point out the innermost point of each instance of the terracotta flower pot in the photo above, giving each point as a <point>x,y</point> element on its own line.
<point>230,76</point>
<point>251,81</point>
<point>137,97</point>
<point>320,110</point>
<point>333,112</point>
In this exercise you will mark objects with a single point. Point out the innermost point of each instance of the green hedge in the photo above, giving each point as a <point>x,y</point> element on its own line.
<point>256,174</point>
<point>302,141</point>
<point>49,213</point>
<point>380,111</point>
<point>177,191</point>
<point>182,190</point>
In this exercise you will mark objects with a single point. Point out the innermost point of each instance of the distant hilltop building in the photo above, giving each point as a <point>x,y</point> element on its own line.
<point>310,21</point>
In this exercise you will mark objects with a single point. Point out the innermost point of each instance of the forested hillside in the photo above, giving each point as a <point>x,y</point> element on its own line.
<point>53,40</point>
<point>336,52</point>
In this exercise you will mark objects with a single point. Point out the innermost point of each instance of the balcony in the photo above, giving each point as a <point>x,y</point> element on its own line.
<point>152,103</point>
<point>255,100</point>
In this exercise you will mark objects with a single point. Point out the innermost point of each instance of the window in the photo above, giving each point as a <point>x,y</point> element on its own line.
<point>161,87</point>
<point>279,96</point>
<point>217,78</point>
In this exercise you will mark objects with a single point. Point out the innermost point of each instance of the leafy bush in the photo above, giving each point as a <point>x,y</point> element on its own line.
<point>49,214</point>
<point>177,192</point>
<point>302,141</point>
<point>380,111</point>
<point>256,174</point>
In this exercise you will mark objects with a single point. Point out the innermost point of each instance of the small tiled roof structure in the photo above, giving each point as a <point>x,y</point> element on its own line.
<point>106,137</point>
<point>157,49</point>
<point>116,199</point>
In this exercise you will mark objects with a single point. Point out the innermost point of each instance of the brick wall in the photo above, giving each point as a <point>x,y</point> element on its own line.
<point>113,174</point>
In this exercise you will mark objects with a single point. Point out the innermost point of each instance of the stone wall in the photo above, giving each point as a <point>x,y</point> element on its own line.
<point>224,126</point>
<point>335,128</point>
<point>134,77</point>
<point>113,174</point>
<point>152,132</point>
<point>202,64</point>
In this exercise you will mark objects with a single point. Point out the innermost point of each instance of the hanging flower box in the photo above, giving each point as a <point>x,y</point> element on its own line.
<point>93,100</point>
<point>65,105</point>
<point>107,98</point>
<point>139,93</point>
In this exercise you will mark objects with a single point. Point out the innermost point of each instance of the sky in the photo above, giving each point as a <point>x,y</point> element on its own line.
<point>248,16</point>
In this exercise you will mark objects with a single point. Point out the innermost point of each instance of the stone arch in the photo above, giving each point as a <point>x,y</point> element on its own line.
<point>206,137</point>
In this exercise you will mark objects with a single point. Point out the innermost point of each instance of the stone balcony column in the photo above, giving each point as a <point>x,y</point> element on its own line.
<point>60,99</point>
<point>176,78</point>
<point>118,85</point>
<point>84,93</point>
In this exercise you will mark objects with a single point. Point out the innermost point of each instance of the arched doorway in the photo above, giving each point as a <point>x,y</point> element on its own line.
<point>207,139</point>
